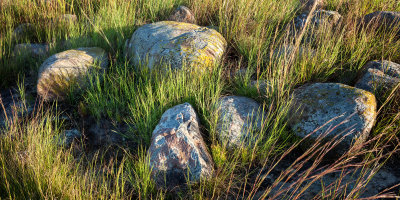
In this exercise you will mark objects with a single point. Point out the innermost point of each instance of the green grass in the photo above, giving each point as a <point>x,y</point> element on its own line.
<point>34,167</point>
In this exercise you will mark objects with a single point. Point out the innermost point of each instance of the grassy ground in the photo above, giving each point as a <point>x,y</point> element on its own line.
<point>33,166</point>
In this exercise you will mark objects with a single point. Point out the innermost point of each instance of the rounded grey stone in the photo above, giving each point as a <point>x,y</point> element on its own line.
<point>316,104</point>
<point>239,118</point>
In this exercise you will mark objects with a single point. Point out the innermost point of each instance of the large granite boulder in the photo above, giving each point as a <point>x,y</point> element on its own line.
<point>178,152</point>
<point>182,14</point>
<point>319,18</point>
<point>62,70</point>
<point>239,119</point>
<point>384,19</point>
<point>176,44</point>
<point>379,77</point>
<point>337,183</point>
<point>316,104</point>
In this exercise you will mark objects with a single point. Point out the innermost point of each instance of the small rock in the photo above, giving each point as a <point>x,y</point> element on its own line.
<point>60,71</point>
<point>379,77</point>
<point>178,152</point>
<point>316,104</point>
<point>32,50</point>
<point>175,44</point>
<point>182,14</point>
<point>24,31</point>
<point>68,137</point>
<point>238,119</point>
<point>384,19</point>
<point>319,18</point>
<point>307,5</point>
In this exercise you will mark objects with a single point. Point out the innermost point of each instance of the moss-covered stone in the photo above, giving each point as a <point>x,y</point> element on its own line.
<point>176,44</point>
<point>69,68</point>
<point>352,110</point>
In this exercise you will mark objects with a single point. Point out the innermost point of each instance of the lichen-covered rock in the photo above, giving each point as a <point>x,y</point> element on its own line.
<point>24,31</point>
<point>182,14</point>
<point>340,183</point>
<point>307,5</point>
<point>379,77</point>
<point>176,44</point>
<point>319,18</point>
<point>178,152</point>
<point>239,118</point>
<point>316,104</point>
<point>33,50</point>
<point>71,67</point>
<point>384,19</point>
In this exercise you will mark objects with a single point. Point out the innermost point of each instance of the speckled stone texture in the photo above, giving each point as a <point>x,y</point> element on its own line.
<point>61,70</point>
<point>175,44</point>
<point>239,119</point>
<point>316,104</point>
<point>384,19</point>
<point>182,14</point>
<point>379,77</point>
<point>319,18</point>
<point>178,150</point>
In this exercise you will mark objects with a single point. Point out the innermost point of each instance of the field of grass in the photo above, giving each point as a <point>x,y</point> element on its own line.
<point>34,166</point>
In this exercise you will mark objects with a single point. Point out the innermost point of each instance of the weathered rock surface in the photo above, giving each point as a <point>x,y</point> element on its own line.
<point>33,50</point>
<point>319,18</point>
<point>341,183</point>
<point>308,4</point>
<point>263,86</point>
<point>24,31</point>
<point>182,14</point>
<point>178,150</point>
<point>60,71</point>
<point>384,19</point>
<point>13,107</point>
<point>316,104</point>
<point>239,118</point>
<point>379,77</point>
<point>175,43</point>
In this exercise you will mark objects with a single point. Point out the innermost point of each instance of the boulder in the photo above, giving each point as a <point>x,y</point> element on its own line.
<point>319,18</point>
<point>182,14</point>
<point>315,104</point>
<point>32,50</point>
<point>177,151</point>
<point>175,44</point>
<point>239,119</point>
<point>24,31</point>
<point>307,5</point>
<point>379,77</point>
<point>62,70</point>
<point>340,183</point>
<point>384,19</point>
